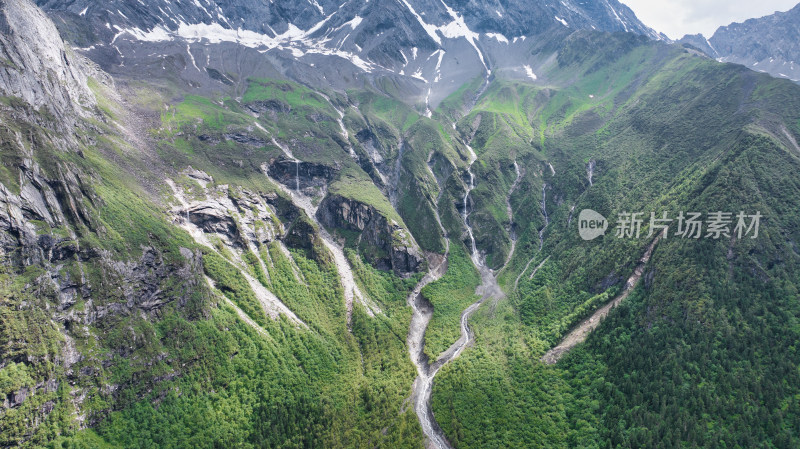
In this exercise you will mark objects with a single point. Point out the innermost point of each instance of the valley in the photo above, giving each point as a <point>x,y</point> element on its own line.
<point>314,224</point>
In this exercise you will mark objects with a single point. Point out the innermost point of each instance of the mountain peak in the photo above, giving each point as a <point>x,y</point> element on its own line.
<point>437,19</point>
<point>766,44</point>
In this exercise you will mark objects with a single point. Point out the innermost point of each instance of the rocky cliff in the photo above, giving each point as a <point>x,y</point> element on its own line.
<point>383,242</point>
<point>71,260</point>
<point>306,176</point>
<point>414,42</point>
<point>36,66</point>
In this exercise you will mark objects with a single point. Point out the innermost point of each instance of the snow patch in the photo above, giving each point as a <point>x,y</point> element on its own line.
<point>428,112</point>
<point>458,28</point>
<point>215,33</point>
<point>613,11</point>
<point>439,66</point>
<point>498,36</point>
<point>296,52</point>
<point>157,34</point>
<point>356,21</point>
<point>191,57</point>
<point>530,73</point>
<point>430,29</point>
<point>711,47</point>
<point>318,25</point>
<point>316,5</point>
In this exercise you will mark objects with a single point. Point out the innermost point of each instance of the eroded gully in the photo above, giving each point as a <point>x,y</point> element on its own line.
<point>423,311</point>
<point>581,331</point>
<point>352,292</point>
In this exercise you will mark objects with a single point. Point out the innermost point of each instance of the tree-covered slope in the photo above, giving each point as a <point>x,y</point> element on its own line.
<point>248,265</point>
<point>701,353</point>
<point>163,305</point>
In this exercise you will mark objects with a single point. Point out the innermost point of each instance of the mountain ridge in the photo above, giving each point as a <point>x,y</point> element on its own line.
<point>765,44</point>
<point>230,245</point>
<point>382,38</point>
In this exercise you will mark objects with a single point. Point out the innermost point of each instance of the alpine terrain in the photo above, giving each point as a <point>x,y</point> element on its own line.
<point>306,224</point>
<point>767,44</point>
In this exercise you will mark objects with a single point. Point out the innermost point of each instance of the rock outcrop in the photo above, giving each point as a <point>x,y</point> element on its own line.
<point>384,243</point>
<point>305,175</point>
<point>35,65</point>
<point>240,218</point>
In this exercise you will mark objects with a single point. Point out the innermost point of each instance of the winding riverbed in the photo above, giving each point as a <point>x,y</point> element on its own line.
<point>422,388</point>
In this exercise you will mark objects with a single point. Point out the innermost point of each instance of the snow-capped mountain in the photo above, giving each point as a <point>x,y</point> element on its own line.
<point>418,42</point>
<point>279,17</point>
<point>768,44</point>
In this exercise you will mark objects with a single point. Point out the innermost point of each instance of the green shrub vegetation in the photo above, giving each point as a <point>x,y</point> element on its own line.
<point>702,353</point>
<point>450,295</point>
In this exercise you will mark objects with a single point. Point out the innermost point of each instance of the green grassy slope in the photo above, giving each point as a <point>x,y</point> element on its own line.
<point>189,372</point>
<point>702,352</point>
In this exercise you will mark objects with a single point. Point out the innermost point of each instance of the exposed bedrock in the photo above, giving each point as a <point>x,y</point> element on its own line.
<point>303,174</point>
<point>384,243</point>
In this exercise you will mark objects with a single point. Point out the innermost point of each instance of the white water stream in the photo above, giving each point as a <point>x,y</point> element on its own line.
<point>423,312</point>
<point>546,217</point>
<point>512,231</point>
<point>465,215</point>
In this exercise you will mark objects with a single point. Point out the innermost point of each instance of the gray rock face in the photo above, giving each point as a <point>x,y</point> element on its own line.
<point>52,201</point>
<point>523,18</point>
<point>398,19</point>
<point>34,63</point>
<point>323,43</point>
<point>383,242</point>
<point>51,233</point>
<point>514,18</point>
<point>213,217</point>
<point>271,107</point>
<point>699,42</point>
<point>268,18</point>
<point>307,175</point>
<point>61,203</point>
<point>243,220</point>
<point>768,44</point>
